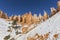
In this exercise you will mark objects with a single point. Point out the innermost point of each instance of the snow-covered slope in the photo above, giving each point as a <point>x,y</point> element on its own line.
<point>51,25</point>
<point>3,28</point>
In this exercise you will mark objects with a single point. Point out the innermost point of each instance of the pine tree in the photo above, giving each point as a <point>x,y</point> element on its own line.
<point>7,37</point>
<point>14,22</point>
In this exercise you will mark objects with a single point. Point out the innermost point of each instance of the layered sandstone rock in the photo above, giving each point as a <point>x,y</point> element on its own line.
<point>29,18</point>
<point>18,19</point>
<point>1,13</point>
<point>4,16</point>
<point>13,17</point>
<point>45,16</point>
<point>42,37</point>
<point>36,37</point>
<point>23,19</point>
<point>24,29</point>
<point>53,11</point>
<point>34,19</point>
<point>40,18</point>
<point>10,18</point>
<point>58,4</point>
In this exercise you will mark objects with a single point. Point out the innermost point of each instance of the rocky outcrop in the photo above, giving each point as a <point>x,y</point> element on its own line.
<point>28,18</point>
<point>58,4</point>
<point>35,19</point>
<point>53,11</point>
<point>18,19</point>
<point>40,18</point>
<point>45,17</point>
<point>3,15</point>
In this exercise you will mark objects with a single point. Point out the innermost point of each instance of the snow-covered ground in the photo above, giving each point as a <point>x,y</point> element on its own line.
<point>3,28</point>
<point>51,25</point>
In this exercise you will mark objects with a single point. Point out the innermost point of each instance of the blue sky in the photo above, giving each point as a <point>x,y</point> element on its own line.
<point>19,7</point>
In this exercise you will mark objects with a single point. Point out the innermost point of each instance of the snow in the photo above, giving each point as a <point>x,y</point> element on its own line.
<point>51,25</point>
<point>3,28</point>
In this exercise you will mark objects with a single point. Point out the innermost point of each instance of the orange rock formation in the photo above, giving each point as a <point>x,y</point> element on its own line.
<point>28,18</point>
<point>45,15</point>
<point>58,4</point>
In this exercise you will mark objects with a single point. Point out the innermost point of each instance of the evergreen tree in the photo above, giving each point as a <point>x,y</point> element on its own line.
<point>14,22</point>
<point>6,37</point>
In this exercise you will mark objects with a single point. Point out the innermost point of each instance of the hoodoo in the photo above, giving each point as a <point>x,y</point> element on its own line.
<point>28,18</point>
<point>40,17</point>
<point>0,13</point>
<point>10,18</point>
<point>14,18</point>
<point>53,11</point>
<point>45,16</point>
<point>18,19</point>
<point>58,4</point>
<point>35,18</point>
<point>29,22</point>
<point>23,19</point>
<point>4,16</point>
<point>31,27</point>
